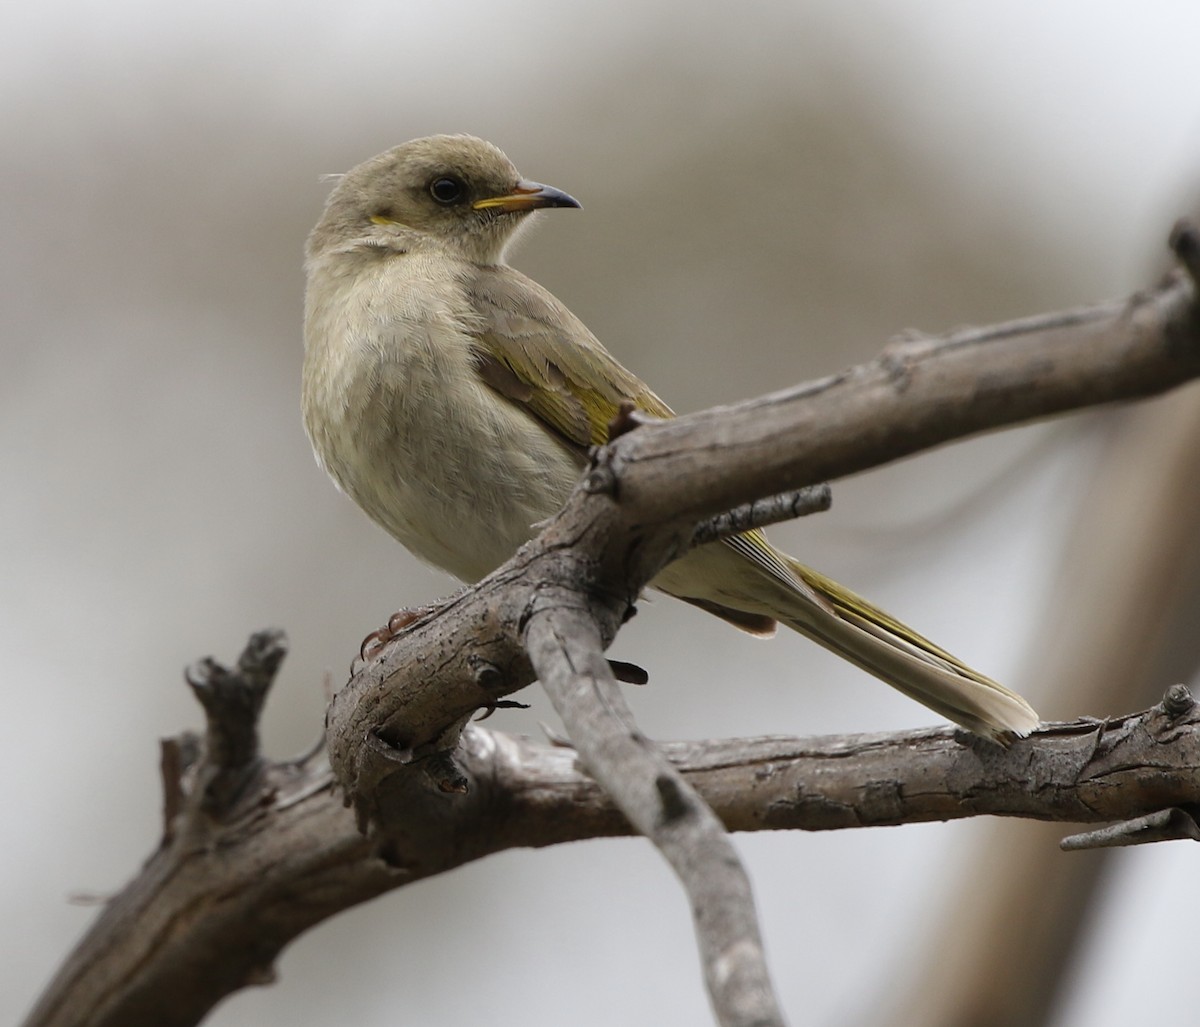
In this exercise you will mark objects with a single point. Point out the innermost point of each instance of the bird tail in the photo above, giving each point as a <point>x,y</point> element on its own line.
<point>872,639</point>
<point>748,582</point>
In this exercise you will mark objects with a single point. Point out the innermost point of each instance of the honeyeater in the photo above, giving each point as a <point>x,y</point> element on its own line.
<point>455,400</point>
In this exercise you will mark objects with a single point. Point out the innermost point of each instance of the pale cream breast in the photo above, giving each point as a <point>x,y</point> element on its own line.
<point>401,421</point>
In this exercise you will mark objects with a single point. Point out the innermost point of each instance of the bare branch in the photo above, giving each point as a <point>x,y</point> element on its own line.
<point>1167,825</point>
<point>918,394</point>
<point>232,701</point>
<point>566,651</point>
<point>1086,771</point>
<point>162,951</point>
<point>204,920</point>
<point>786,506</point>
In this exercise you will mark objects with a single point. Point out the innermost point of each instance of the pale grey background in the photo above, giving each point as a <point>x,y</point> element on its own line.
<point>769,194</point>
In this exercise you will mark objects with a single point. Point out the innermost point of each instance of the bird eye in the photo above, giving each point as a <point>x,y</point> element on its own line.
<point>446,190</point>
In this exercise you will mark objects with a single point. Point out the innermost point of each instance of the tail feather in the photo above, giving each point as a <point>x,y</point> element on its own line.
<point>750,583</point>
<point>871,639</point>
<point>977,703</point>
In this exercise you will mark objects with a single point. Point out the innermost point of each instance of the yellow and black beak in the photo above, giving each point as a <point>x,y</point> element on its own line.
<point>526,196</point>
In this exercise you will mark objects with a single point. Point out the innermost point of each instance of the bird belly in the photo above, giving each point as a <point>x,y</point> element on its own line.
<point>463,495</point>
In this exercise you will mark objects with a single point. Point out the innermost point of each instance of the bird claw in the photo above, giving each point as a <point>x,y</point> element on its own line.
<point>397,623</point>
<point>501,704</point>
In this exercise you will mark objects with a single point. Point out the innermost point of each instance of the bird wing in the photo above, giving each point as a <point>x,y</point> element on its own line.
<point>535,352</point>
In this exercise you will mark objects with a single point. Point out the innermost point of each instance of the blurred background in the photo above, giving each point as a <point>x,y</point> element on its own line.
<point>771,192</point>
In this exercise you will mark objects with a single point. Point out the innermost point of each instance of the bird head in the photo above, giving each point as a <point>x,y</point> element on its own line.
<point>456,191</point>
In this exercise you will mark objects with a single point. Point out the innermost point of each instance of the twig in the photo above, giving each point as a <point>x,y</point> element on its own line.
<point>232,701</point>
<point>761,513</point>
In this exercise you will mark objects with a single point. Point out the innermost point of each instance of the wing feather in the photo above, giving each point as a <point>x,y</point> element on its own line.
<point>536,353</point>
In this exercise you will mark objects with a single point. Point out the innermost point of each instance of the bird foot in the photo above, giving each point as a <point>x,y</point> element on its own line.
<point>397,624</point>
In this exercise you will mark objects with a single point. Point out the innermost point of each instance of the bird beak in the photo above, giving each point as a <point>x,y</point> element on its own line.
<point>526,196</point>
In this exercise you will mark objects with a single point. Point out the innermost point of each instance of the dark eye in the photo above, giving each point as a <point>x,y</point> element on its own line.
<point>447,190</point>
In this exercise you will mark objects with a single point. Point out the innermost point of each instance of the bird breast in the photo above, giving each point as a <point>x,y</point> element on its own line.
<point>400,419</point>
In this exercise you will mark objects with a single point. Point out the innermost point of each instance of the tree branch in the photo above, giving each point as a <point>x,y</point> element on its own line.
<point>919,393</point>
<point>1086,771</point>
<point>208,915</point>
<point>762,513</point>
<point>566,652</point>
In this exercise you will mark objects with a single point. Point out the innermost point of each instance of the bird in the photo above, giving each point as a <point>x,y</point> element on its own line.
<point>455,400</point>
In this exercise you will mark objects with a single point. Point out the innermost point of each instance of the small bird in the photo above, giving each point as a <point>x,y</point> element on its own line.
<point>455,400</point>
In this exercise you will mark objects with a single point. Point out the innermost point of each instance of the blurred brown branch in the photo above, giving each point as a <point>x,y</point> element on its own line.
<point>246,867</point>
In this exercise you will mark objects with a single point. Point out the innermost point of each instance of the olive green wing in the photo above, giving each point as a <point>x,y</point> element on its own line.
<point>535,352</point>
